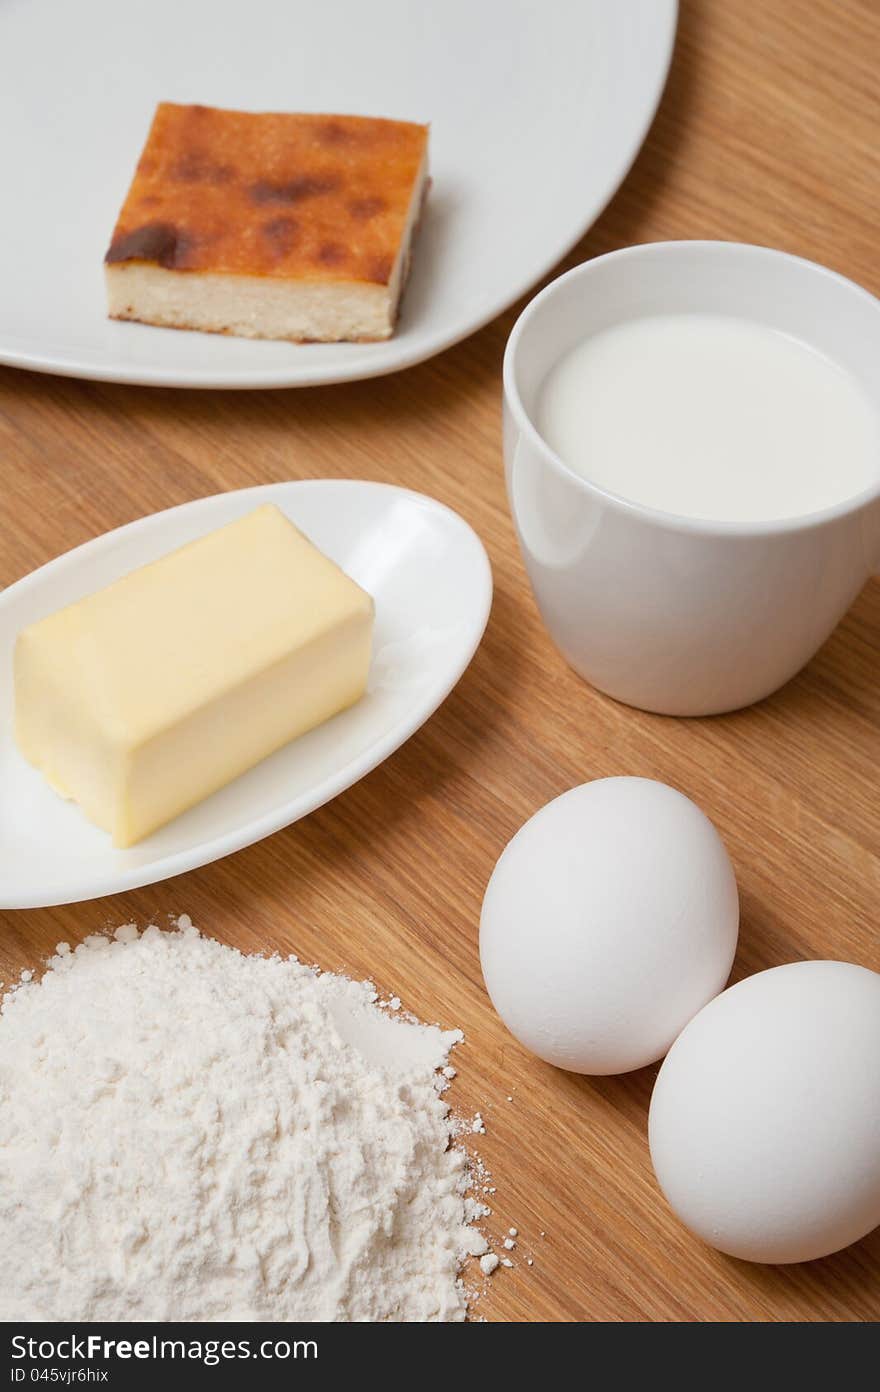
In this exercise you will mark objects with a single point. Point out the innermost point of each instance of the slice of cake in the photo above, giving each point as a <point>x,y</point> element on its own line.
<point>268,225</point>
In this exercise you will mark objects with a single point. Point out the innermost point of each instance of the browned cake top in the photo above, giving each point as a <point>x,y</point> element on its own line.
<point>321,198</point>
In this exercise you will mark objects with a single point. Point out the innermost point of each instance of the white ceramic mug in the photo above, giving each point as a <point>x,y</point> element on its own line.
<point>669,613</point>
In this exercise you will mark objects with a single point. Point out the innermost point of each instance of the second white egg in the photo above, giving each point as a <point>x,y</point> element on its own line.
<point>765,1118</point>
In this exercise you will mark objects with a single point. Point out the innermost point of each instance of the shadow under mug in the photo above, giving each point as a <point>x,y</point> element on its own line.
<point>669,613</point>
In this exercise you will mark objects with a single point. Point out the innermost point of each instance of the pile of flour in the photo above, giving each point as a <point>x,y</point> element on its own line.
<point>187,1133</point>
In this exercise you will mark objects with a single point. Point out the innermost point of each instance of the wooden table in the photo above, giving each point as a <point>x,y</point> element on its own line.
<point>767,133</point>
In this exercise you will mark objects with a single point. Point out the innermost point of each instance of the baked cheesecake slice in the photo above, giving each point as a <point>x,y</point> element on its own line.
<point>268,225</point>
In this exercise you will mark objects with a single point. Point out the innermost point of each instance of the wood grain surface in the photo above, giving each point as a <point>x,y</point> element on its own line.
<point>767,133</point>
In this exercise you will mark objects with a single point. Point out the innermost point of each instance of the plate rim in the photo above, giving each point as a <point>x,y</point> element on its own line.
<point>362,369</point>
<point>74,891</point>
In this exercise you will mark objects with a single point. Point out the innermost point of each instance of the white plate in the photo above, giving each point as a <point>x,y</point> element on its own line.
<point>536,110</point>
<point>430,578</point>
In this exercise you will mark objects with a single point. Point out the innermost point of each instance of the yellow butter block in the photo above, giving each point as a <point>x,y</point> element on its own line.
<point>150,695</point>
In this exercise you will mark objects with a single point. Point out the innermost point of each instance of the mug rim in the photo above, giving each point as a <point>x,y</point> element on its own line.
<point>674,521</point>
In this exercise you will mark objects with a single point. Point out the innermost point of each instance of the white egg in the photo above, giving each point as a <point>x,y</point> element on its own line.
<point>609,920</point>
<point>765,1119</point>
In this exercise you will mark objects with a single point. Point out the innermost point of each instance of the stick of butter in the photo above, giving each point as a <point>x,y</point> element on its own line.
<point>148,696</point>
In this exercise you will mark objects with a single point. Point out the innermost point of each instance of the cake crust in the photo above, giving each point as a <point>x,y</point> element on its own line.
<point>306,197</point>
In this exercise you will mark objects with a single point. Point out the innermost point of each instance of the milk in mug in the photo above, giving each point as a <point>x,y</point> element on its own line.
<point>711,416</point>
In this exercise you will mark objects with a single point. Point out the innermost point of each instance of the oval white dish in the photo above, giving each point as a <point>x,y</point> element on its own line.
<point>429,575</point>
